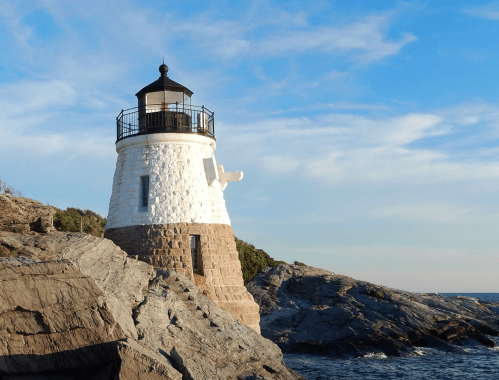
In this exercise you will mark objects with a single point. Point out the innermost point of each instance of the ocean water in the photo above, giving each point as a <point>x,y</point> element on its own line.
<point>478,362</point>
<point>493,297</point>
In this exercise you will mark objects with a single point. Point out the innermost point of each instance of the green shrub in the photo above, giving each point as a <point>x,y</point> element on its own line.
<point>300,264</point>
<point>69,221</point>
<point>253,260</point>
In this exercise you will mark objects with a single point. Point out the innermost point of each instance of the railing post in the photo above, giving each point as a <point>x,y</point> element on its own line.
<point>203,120</point>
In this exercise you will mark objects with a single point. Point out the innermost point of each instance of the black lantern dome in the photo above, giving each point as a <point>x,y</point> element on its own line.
<point>164,84</point>
<point>164,106</point>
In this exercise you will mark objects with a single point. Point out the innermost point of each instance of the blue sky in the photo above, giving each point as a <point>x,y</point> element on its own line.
<point>368,132</point>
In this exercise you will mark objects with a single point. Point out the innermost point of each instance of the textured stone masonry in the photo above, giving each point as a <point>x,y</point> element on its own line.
<point>220,277</point>
<point>179,188</point>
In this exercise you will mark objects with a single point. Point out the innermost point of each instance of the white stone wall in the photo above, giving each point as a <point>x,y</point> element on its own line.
<point>179,190</point>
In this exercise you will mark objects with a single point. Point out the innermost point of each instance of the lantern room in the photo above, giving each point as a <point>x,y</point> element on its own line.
<point>163,93</point>
<point>164,106</point>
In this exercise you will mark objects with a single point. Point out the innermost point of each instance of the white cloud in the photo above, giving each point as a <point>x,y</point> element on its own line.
<point>23,98</point>
<point>12,20</point>
<point>473,114</point>
<point>408,128</point>
<point>279,165</point>
<point>344,148</point>
<point>366,38</point>
<point>41,143</point>
<point>489,11</point>
<point>46,118</point>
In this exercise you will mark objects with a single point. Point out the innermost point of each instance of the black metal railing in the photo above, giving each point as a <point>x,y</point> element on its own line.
<point>165,118</point>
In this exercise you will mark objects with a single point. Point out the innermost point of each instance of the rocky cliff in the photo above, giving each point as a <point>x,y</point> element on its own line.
<point>74,306</point>
<point>18,214</point>
<point>305,309</point>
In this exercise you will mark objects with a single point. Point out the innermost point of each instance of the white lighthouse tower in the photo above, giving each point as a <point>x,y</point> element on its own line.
<point>167,206</point>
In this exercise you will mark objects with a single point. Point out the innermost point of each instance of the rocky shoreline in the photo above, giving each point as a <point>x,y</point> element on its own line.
<point>76,306</point>
<point>310,310</point>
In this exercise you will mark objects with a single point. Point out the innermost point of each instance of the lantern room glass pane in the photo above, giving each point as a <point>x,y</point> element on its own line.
<point>165,100</point>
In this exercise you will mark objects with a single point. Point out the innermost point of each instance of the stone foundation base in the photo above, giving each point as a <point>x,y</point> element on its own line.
<point>166,246</point>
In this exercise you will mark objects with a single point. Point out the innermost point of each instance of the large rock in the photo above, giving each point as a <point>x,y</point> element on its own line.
<point>199,338</point>
<point>18,214</point>
<point>138,362</point>
<point>51,308</point>
<point>54,320</point>
<point>180,333</point>
<point>311,310</point>
<point>122,279</point>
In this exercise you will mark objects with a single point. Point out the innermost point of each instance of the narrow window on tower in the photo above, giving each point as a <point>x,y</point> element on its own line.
<point>144,192</point>
<point>195,252</point>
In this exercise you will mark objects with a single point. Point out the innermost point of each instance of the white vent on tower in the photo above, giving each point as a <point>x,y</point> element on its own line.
<point>202,121</point>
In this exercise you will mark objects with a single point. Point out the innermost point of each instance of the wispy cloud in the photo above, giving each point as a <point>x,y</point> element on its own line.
<point>23,98</point>
<point>344,148</point>
<point>12,18</point>
<point>489,11</point>
<point>366,40</point>
<point>46,144</point>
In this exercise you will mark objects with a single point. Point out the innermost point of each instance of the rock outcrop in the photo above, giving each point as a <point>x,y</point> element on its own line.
<point>202,340</point>
<point>122,279</point>
<point>54,320</point>
<point>66,310</point>
<point>18,214</point>
<point>305,309</point>
<point>50,308</point>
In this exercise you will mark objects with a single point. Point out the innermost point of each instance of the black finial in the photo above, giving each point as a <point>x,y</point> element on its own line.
<point>163,69</point>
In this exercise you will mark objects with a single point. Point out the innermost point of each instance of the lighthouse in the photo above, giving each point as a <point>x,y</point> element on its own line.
<point>167,206</point>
